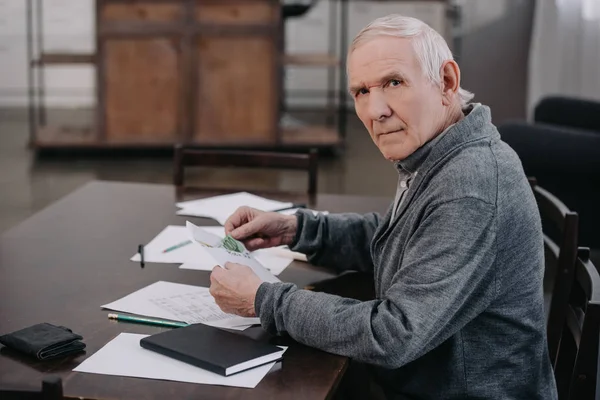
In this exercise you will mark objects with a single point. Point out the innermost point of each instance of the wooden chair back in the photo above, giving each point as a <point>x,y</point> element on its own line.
<point>189,157</point>
<point>51,390</point>
<point>560,227</point>
<point>576,366</point>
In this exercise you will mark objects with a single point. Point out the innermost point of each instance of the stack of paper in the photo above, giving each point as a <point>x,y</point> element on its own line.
<point>123,356</point>
<point>179,302</point>
<point>196,257</point>
<point>221,207</point>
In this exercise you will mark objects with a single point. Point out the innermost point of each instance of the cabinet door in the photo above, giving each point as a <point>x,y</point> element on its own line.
<point>142,90</point>
<point>237,78</point>
<point>237,98</point>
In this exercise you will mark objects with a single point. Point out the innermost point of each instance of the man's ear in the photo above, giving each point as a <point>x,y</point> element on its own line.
<point>450,74</point>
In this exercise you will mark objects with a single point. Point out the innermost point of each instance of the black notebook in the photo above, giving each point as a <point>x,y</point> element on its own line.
<point>212,349</point>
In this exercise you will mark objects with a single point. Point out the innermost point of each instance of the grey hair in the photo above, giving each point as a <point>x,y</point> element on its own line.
<point>430,47</point>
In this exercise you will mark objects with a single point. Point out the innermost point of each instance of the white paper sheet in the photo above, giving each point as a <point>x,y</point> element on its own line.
<point>285,252</point>
<point>170,236</point>
<point>275,263</point>
<point>196,257</point>
<point>221,207</point>
<point>213,245</point>
<point>123,356</point>
<point>179,302</point>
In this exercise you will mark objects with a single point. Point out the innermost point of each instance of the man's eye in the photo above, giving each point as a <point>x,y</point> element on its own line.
<point>395,82</point>
<point>362,91</point>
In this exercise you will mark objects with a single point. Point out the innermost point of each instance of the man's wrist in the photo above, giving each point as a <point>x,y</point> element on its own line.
<point>291,230</point>
<point>260,292</point>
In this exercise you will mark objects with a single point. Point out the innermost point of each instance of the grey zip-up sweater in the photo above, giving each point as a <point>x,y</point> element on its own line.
<point>459,312</point>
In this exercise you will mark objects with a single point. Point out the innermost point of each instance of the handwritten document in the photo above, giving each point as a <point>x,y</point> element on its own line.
<point>191,307</point>
<point>179,302</point>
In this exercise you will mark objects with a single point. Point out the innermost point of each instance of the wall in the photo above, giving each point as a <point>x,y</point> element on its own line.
<point>495,54</point>
<point>494,48</point>
<point>68,26</point>
<point>310,33</point>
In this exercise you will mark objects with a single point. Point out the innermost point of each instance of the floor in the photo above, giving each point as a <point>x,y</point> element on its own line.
<point>29,183</point>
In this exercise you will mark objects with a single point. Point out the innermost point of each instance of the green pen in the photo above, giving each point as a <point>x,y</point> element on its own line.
<point>178,245</point>
<point>149,321</point>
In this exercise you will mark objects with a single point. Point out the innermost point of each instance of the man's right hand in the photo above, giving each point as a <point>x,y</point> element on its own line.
<point>259,229</point>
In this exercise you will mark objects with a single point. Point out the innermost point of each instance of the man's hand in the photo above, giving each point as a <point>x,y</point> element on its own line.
<point>234,289</point>
<point>258,229</point>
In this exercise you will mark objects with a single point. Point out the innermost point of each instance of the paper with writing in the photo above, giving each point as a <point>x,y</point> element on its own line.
<point>179,302</point>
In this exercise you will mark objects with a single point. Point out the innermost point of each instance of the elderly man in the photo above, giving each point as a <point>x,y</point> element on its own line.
<point>457,259</point>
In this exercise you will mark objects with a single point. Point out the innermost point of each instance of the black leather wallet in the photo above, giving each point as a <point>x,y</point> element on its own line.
<point>44,341</point>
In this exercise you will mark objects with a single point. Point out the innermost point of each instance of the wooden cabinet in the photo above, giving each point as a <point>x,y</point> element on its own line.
<point>141,69</point>
<point>196,71</point>
<point>235,101</point>
<point>236,73</point>
<point>142,104</point>
<point>207,72</point>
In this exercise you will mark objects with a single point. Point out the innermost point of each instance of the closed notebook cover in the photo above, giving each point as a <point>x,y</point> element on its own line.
<point>212,348</point>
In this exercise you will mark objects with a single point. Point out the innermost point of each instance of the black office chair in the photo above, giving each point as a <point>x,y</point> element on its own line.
<point>51,390</point>
<point>560,227</point>
<point>566,162</point>
<point>569,112</point>
<point>577,362</point>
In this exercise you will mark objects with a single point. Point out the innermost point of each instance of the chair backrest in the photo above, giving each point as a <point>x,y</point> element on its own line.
<point>51,390</point>
<point>576,366</point>
<point>189,157</point>
<point>560,227</point>
<point>569,111</point>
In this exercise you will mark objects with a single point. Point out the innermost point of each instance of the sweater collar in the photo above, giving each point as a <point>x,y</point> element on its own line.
<point>476,116</point>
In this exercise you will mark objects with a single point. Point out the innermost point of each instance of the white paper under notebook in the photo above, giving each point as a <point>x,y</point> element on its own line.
<point>221,207</point>
<point>228,250</point>
<point>179,302</point>
<point>196,257</point>
<point>123,356</point>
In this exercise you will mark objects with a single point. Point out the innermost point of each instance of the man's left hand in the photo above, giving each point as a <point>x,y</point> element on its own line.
<point>234,289</point>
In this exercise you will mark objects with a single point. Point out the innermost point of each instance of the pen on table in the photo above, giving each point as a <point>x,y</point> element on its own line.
<point>299,205</point>
<point>177,246</point>
<point>141,251</point>
<point>149,321</point>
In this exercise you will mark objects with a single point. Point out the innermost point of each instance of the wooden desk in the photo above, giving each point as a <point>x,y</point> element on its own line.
<point>63,263</point>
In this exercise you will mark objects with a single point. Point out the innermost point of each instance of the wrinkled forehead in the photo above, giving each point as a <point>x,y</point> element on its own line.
<point>382,56</point>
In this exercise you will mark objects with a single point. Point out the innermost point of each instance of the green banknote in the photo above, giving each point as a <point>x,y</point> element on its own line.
<point>231,244</point>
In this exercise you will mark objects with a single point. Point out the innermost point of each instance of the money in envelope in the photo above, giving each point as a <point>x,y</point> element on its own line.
<point>228,250</point>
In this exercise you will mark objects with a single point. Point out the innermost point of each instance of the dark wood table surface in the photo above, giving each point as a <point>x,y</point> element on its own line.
<point>60,265</point>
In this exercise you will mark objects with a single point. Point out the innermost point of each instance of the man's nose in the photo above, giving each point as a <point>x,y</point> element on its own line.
<point>378,107</point>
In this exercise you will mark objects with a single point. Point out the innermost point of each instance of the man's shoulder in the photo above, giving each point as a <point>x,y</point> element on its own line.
<point>469,170</point>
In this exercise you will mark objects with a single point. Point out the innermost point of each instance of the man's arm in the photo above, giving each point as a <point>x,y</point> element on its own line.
<point>448,280</point>
<point>340,241</point>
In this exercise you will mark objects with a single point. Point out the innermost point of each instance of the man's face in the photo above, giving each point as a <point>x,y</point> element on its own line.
<point>400,107</point>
